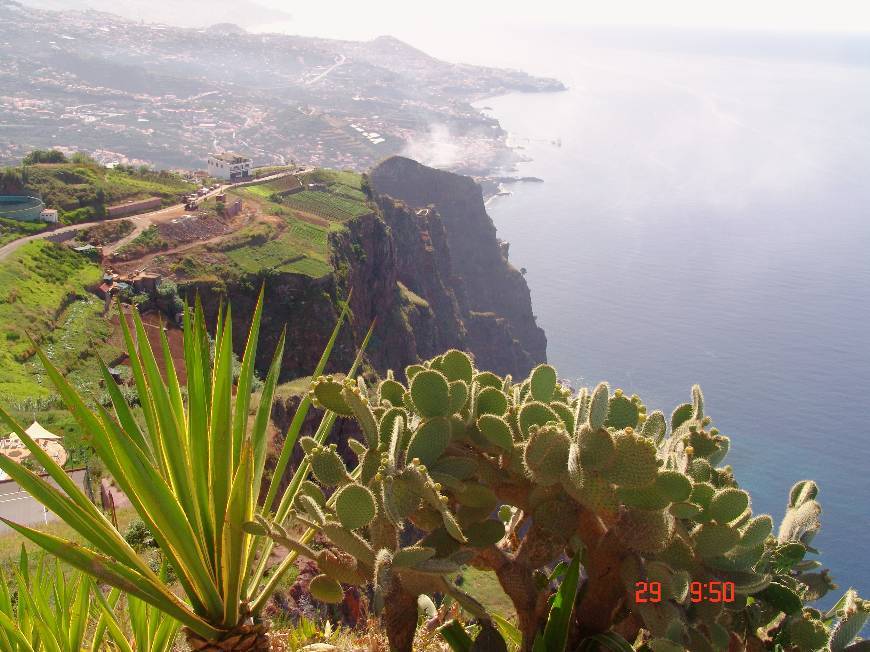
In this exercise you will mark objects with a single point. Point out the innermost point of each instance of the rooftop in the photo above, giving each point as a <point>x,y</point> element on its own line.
<point>230,157</point>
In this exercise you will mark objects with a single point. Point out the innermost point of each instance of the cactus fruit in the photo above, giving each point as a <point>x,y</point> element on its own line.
<point>355,506</point>
<point>546,453</point>
<point>326,589</point>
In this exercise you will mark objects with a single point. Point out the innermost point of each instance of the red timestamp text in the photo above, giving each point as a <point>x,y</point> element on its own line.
<point>713,591</point>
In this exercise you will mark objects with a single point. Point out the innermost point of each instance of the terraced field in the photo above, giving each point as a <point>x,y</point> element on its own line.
<point>333,207</point>
<point>300,245</point>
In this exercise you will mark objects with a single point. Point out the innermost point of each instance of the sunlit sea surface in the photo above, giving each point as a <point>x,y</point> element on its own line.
<point>706,218</point>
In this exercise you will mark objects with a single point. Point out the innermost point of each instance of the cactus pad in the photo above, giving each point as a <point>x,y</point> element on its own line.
<point>458,392</point>
<point>673,484</point>
<point>595,447</point>
<point>392,391</point>
<point>714,539</point>
<point>456,365</point>
<point>728,504</point>
<point>328,467</point>
<point>535,414</point>
<point>327,394</point>
<point>491,401</point>
<point>645,531</point>
<point>634,462</point>
<point>757,530</point>
<point>598,406</point>
<point>354,506</point>
<point>430,393</point>
<point>622,412</point>
<point>429,440</point>
<point>496,430</point>
<point>546,454</point>
<point>326,589</point>
<point>542,383</point>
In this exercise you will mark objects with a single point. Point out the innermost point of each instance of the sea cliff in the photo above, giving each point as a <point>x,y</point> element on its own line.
<point>426,264</point>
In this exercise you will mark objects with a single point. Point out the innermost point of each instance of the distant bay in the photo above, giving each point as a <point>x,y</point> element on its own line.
<point>706,218</point>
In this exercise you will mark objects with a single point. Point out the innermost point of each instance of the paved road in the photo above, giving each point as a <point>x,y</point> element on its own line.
<point>141,221</point>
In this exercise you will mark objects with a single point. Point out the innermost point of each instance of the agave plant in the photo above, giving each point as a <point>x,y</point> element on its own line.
<point>191,471</point>
<point>151,630</point>
<point>46,611</point>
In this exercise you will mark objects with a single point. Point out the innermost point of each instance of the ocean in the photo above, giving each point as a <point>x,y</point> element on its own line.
<point>705,218</point>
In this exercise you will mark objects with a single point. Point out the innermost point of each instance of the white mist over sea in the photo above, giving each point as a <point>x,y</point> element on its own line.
<point>705,217</point>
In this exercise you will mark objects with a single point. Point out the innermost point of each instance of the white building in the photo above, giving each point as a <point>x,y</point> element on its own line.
<point>49,215</point>
<point>229,166</point>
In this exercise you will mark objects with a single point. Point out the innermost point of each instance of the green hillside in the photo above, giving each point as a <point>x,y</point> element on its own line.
<point>83,189</point>
<point>43,292</point>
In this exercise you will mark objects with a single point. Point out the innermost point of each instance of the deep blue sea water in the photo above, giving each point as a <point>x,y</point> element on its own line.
<point>706,219</point>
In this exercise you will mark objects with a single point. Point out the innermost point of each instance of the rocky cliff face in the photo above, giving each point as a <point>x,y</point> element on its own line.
<point>428,267</point>
<point>492,296</point>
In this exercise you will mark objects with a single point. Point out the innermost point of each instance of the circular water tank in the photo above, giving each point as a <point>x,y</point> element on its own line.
<point>21,207</point>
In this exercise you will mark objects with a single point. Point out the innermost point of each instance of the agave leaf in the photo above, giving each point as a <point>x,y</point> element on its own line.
<point>11,633</point>
<point>219,435</point>
<point>235,540</point>
<point>112,625</point>
<point>559,621</point>
<point>118,575</point>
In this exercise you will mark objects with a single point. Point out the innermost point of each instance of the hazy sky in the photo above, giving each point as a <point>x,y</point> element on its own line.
<point>372,17</point>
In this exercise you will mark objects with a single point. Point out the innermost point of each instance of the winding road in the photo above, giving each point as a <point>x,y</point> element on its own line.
<point>141,221</point>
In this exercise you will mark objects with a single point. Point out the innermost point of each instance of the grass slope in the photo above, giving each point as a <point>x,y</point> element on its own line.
<point>82,191</point>
<point>43,291</point>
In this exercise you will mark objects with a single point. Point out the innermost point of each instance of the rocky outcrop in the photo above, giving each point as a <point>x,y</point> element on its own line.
<point>493,298</point>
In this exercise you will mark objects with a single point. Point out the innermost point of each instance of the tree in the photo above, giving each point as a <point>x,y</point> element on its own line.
<point>44,156</point>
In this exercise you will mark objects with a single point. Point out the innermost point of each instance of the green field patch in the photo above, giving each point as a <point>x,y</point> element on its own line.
<point>327,205</point>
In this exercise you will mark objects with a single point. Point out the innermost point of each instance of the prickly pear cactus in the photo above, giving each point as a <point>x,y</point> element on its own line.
<point>511,476</point>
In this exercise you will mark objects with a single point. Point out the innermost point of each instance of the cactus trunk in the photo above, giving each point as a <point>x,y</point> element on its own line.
<point>400,617</point>
<point>246,637</point>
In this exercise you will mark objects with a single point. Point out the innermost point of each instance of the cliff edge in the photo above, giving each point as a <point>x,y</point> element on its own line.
<point>492,297</point>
